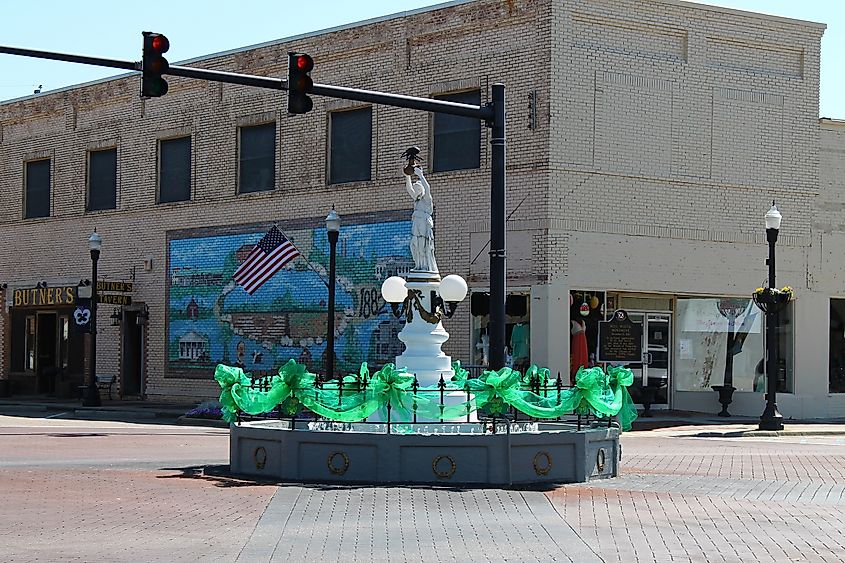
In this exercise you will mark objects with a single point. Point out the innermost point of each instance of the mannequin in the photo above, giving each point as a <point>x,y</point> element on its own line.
<point>484,346</point>
<point>520,345</point>
<point>579,356</point>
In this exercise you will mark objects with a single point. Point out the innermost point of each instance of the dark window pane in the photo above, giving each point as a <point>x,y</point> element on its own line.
<point>175,170</point>
<point>351,145</point>
<point>836,365</point>
<point>18,359</point>
<point>37,189</point>
<point>258,158</point>
<point>457,140</point>
<point>102,180</point>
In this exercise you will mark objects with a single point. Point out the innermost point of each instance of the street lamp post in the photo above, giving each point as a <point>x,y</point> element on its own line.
<point>92,394</point>
<point>771,419</point>
<point>333,232</point>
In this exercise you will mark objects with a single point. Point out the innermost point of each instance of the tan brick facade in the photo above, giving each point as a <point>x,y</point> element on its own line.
<point>662,130</point>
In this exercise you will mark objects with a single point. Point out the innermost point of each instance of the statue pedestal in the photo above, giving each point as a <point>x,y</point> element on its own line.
<point>423,356</point>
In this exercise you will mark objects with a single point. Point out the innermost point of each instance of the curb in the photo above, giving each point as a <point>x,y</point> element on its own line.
<point>773,433</point>
<point>191,421</point>
<point>107,414</point>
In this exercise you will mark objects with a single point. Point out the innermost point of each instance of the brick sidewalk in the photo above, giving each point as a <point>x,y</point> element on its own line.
<point>685,499</point>
<point>108,491</point>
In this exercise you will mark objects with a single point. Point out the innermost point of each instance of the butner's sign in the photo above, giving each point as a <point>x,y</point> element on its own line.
<point>119,286</point>
<point>44,297</point>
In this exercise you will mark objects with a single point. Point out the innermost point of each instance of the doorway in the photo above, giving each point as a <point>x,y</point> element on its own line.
<point>46,352</point>
<point>651,388</point>
<point>132,378</point>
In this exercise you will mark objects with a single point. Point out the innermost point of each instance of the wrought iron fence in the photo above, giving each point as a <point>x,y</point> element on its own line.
<point>485,418</point>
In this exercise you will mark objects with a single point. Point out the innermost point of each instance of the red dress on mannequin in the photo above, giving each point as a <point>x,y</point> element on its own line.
<point>578,353</point>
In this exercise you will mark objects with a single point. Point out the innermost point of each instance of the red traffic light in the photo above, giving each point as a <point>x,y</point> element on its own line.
<point>304,63</point>
<point>160,44</point>
<point>299,82</point>
<point>154,65</point>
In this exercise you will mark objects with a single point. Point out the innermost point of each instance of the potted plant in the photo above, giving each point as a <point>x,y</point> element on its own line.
<point>772,300</point>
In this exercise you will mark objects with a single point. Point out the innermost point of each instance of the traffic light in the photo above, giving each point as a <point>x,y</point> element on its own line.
<point>154,65</point>
<point>299,82</point>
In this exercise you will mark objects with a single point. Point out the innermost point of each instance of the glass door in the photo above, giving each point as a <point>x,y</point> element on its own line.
<point>651,374</point>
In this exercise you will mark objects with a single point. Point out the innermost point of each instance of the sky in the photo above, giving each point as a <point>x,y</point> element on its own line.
<point>112,29</point>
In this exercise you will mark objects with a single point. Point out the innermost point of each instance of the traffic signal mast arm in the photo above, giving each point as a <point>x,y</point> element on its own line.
<point>493,114</point>
<point>411,102</point>
<point>82,59</point>
<point>398,100</point>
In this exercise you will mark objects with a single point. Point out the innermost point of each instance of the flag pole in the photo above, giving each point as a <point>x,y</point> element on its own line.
<point>307,261</point>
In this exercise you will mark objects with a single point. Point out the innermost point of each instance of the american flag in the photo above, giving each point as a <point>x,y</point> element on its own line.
<point>269,255</point>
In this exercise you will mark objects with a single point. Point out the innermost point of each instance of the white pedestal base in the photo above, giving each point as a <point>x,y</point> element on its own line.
<point>423,356</point>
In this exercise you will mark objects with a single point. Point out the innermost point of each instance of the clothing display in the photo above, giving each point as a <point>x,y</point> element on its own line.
<point>520,342</point>
<point>579,356</point>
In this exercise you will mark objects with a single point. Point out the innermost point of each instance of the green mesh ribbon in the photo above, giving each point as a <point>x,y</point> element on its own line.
<point>348,403</point>
<point>359,396</point>
<point>239,394</point>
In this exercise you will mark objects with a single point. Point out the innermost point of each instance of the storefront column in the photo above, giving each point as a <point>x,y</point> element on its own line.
<point>811,313</point>
<point>550,328</point>
<point>5,344</point>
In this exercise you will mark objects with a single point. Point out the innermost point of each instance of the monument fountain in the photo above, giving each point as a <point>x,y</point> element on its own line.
<point>424,419</point>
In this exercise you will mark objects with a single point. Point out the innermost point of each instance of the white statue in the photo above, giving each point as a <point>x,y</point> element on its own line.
<point>422,228</point>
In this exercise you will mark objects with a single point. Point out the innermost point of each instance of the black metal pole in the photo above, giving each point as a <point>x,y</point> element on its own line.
<point>92,394</point>
<point>729,357</point>
<point>333,236</point>
<point>70,58</point>
<point>771,419</point>
<point>397,100</point>
<point>492,113</point>
<point>498,264</point>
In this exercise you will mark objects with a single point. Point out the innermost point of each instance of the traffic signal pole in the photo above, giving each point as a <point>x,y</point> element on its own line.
<point>492,113</point>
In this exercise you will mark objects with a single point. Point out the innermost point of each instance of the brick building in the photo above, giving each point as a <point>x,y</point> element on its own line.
<point>646,141</point>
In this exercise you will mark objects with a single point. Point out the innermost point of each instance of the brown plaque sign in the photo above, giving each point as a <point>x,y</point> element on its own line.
<point>110,299</point>
<point>620,340</point>
<point>118,286</point>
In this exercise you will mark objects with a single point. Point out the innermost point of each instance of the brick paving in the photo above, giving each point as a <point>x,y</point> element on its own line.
<point>115,492</point>
<point>715,499</point>
<point>413,524</point>
<point>97,490</point>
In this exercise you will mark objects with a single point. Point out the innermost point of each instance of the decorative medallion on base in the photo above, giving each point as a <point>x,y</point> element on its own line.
<point>338,466</point>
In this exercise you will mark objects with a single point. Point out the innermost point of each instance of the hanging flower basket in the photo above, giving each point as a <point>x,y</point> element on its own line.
<point>772,300</point>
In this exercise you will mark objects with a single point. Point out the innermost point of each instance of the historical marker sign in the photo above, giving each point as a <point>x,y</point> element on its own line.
<point>620,339</point>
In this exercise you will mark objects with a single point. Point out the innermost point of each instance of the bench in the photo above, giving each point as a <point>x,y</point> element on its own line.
<point>103,382</point>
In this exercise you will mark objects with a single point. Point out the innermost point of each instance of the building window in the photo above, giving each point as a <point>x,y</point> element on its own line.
<point>174,170</point>
<point>457,140</point>
<point>102,180</point>
<point>37,196</point>
<point>30,343</point>
<point>351,134</point>
<point>786,354</point>
<point>836,360</point>
<point>705,331</point>
<point>257,158</point>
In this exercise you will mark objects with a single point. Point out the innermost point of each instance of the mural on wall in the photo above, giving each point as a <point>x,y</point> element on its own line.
<point>213,320</point>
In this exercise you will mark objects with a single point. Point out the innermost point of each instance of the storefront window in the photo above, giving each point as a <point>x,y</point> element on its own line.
<point>517,331</point>
<point>783,331</point>
<point>586,311</point>
<point>30,344</point>
<point>836,363</point>
<point>64,333</point>
<point>719,337</point>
